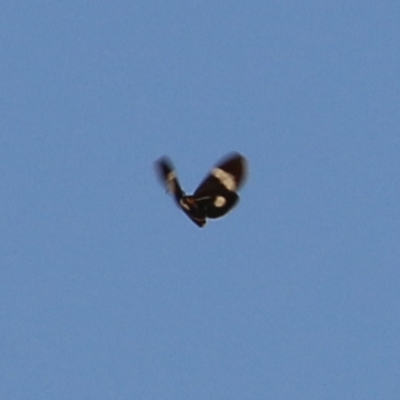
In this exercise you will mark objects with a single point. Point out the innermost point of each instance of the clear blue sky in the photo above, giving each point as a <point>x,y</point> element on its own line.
<point>108,291</point>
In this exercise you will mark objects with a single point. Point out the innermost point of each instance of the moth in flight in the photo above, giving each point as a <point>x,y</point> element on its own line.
<point>216,194</point>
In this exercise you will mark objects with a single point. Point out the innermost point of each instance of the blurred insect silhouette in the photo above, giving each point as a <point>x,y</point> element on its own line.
<point>215,196</point>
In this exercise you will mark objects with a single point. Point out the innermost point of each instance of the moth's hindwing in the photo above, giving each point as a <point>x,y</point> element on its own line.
<point>218,204</point>
<point>193,210</point>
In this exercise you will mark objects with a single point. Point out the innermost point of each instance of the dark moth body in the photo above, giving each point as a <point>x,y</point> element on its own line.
<point>216,194</point>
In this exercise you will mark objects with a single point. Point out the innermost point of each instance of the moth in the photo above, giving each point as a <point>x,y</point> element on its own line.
<point>215,196</point>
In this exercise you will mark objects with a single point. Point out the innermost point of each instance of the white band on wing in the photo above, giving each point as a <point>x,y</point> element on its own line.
<point>228,180</point>
<point>170,181</point>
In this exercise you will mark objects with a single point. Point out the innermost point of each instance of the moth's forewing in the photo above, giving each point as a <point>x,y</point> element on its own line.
<point>229,174</point>
<point>236,165</point>
<point>216,195</point>
<point>166,172</point>
<point>164,166</point>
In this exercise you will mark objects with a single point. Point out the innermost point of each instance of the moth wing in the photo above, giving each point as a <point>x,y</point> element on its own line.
<point>229,174</point>
<point>219,204</point>
<point>199,221</point>
<point>167,175</point>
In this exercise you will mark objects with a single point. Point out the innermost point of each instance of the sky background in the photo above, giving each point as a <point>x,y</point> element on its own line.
<point>108,291</point>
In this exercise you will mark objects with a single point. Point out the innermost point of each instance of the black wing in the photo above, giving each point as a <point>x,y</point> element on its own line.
<point>216,194</point>
<point>166,172</point>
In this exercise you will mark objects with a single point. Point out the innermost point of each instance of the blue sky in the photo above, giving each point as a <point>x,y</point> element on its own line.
<point>108,291</point>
